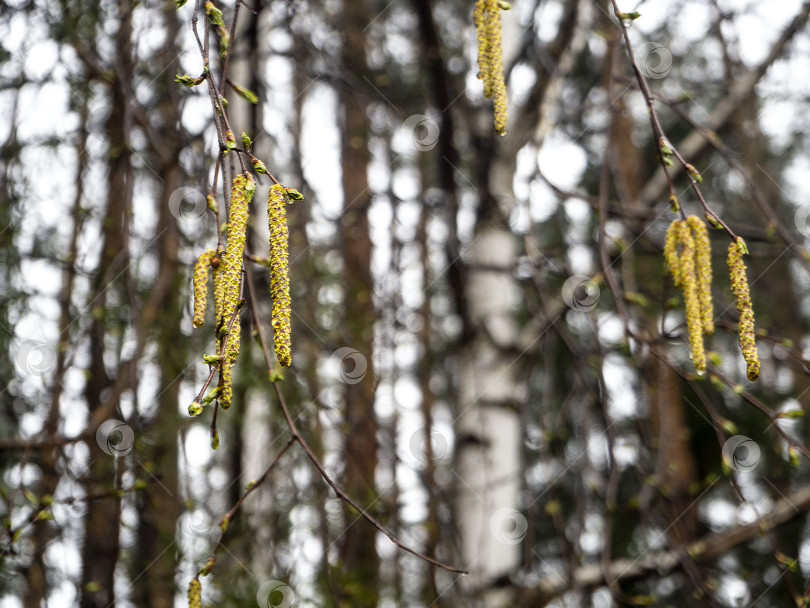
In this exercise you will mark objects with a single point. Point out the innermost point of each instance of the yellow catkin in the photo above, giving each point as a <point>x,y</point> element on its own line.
<point>241,195</point>
<point>671,252</point>
<point>279,273</point>
<point>201,286</point>
<point>688,278</point>
<point>225,383</point>
<point>195,594</point>
<point>219,296</point>
<point>480,20</point>
<point>739,286</point>
<point>703,268</point>
<point>496,65</point>
<point>487,19</point>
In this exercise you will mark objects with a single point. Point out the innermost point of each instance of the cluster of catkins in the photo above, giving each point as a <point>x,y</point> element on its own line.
<point>487,18</point>
<point>692,272</point>
<point>226,267</point>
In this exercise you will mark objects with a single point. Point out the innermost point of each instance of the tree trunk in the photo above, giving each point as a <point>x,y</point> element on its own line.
<point>358,555</point>
<point>101,524</point>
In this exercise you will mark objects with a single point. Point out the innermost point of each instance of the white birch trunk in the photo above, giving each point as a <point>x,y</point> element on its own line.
<point>488,456</point>
<point>491,529</point>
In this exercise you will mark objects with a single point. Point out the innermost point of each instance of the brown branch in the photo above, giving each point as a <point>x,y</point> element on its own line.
<point>712,139</point>
<point>224,523</point>
<point>742,89</point>
<point>296,436</point>
<point>661,139</point>
<point>705,549</point>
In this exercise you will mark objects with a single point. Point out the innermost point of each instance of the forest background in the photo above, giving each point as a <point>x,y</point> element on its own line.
<point>492,399</point>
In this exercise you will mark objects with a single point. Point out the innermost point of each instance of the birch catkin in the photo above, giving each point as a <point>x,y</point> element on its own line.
<point>482,33</point>
<point>692,272</point>
<point>689,284</point>
<point>225,382</point>
<point>671,253</point>
<point>703,270</point>
<point>195,594</point>
<point>201,286</point>
<point>219,299</point>
<point>487,19</point>
<point>739,286</point>
<point>241,195</point>
<point>279,273</point>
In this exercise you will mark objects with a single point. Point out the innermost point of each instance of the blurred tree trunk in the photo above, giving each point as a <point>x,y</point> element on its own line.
<point>155,559</point>
<point>359,561</point>
<point>491,526</point>
<point>101,525</point>
<point>488,426</point>
<point>488,429</point>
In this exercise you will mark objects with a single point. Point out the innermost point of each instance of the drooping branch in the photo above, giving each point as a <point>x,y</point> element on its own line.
<point>743,88</point>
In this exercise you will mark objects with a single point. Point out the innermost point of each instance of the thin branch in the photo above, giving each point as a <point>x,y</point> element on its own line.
<point>705,549</point>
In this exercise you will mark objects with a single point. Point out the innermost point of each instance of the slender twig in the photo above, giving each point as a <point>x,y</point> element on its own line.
<point>224,523</point>
<point>705,549</point>
<point>223,126</point>
<point>296,436</point>
<point>660,137</point>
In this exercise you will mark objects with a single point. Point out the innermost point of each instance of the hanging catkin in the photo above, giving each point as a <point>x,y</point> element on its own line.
<point>691,271</point>
<point>703,271</point>
<point>241,195</point>
<point>487,19</point>
<point>739,286</point>
<point>194,594</point>
<point>219,297</point>
<point>671,253</point>
<point>225,383</point>
<point>689,284</point>
<point>279,273</point>
<point>201,286</point>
